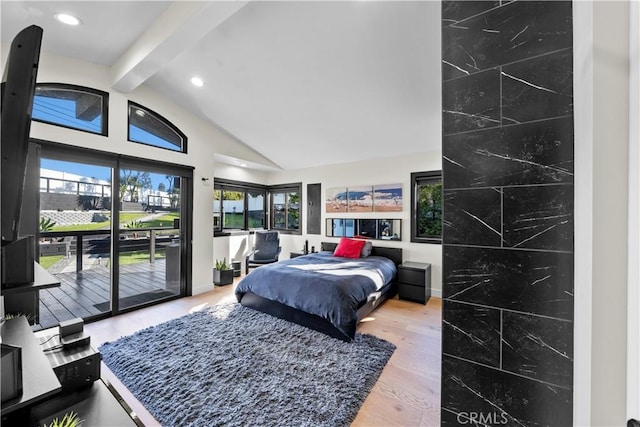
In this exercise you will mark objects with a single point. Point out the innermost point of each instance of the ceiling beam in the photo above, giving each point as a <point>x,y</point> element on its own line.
<point>180,26</point>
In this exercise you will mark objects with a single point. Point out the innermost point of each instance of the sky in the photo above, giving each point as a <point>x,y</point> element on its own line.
<point>62,111</point>
<point>93,171</point>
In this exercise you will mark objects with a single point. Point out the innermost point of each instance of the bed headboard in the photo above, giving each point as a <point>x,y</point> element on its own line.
<point>328,246</point>
<point>394,254</point>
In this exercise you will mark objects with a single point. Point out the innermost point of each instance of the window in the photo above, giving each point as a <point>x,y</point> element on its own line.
<point>255,209</point>
<point>285,207</point>
<point>243,206</point>
<point>149,127</point>
<point>426,202</point>
<point>238,205</point>
<point>70,106</point>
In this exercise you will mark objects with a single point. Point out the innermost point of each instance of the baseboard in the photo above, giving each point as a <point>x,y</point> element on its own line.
<point>202,288</point>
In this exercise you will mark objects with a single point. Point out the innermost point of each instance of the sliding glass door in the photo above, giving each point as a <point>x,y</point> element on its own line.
<point>149,236</point>
<point>115,233</point>
<point>75,238</point>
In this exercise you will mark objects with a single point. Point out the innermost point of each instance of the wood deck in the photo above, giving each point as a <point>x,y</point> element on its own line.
<point>88,292</point>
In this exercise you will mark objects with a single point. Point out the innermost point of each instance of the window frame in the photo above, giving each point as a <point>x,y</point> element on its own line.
<point>246,188</point>
<point>286,189</point>
<point>104,126</point>
<point>160,118</point>
<point>418,178</point>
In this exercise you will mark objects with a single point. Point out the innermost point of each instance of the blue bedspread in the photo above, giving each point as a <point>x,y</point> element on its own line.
<point>321,284</point>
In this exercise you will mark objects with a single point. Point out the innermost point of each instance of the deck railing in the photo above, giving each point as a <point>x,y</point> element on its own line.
<point>68,186</point>
<point>98,242</point>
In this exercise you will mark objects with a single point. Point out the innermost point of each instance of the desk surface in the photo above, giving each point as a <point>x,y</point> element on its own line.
<point>38,379</point>
<point>41,279</point>
<point>99,405</point>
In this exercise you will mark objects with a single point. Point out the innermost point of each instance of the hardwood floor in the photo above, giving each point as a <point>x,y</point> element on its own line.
<point>406,394</point>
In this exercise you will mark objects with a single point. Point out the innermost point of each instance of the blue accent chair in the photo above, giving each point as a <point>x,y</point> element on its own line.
<point>266,249</point>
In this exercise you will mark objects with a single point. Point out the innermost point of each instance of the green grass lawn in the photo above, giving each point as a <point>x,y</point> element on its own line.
<point>83,227</point>
<point>48,261</point>
<point>126,217</point>
<point>233,220</point>
<point>138,256</point>
<point>162,221</point>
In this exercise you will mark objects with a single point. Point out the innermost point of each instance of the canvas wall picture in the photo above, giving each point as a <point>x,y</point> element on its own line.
<point>360,199</point>
<point>336,200</point>
<point>387,198</point>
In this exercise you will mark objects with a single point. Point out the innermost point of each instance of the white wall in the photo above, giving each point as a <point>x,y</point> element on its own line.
<point>583,149</point>
<point>236,246</point>
<point>203,140</point>
<point>227,171</point>
<point>610,191</point>
<point>633,310</point>
<point>601,70</point>
<point>382,171</point>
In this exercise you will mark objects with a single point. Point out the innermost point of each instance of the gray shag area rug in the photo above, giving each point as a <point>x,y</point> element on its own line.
<point>232,365</point>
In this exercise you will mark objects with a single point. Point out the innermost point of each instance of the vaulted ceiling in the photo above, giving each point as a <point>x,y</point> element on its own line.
<point>303,83</point>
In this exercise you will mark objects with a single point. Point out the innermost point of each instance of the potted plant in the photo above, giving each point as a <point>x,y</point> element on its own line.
<point>70,419</point>
<point>222,274</point>
<point>134,224</point>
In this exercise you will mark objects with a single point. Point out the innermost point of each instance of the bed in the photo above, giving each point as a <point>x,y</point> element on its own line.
<point>323,292</point>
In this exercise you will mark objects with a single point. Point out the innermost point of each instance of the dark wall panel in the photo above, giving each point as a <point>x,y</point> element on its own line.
<point>530,153</point>
<point>314,208</point>
<point>508,164</point>
<point>538,88</point>
<point>537,347</point>
<point>539,217</point>
<point>453,11</point>
<point>502,35</point>
<point>472,333</point>
<point>471,103</point>
<point>536,282</point>
<point>474,217</point>
<point>500,397</point>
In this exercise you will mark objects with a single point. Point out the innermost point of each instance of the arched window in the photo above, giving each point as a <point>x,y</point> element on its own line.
<point>71,106</point>
<point>148,127</point>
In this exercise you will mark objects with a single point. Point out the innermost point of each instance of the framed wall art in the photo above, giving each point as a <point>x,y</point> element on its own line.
<point>360,199</point>
<point>387,198</point>
<point>336,200</point>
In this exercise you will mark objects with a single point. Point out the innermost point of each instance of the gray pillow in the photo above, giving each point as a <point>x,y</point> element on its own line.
<point>366,249</point>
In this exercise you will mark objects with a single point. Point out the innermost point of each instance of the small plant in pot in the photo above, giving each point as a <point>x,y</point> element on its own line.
<point>70,419</point>
<point>223,273</point>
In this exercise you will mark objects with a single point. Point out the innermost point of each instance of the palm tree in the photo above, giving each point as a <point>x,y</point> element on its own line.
<point>131,182</point>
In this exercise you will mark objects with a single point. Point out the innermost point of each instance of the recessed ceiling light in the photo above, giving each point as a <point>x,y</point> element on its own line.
<point>197,81</point>
<point>243,165</point>
<point>65,18</point>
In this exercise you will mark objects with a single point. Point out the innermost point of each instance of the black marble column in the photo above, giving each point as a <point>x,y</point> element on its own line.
<point>507,147</point>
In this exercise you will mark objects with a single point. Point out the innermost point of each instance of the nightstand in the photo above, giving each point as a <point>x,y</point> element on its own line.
<point>414,281</point>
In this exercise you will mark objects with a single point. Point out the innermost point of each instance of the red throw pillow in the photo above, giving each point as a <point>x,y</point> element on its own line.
<point>349,248</point>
